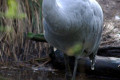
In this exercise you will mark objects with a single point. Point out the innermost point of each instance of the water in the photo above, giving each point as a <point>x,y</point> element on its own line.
<point>28,74</point>
<point>43,73</point>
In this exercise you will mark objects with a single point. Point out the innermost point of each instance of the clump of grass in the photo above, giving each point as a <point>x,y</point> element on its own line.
<point>14,46</point>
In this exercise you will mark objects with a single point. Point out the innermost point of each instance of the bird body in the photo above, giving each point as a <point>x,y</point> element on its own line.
<point>74,27</point>
<point>72,22</point>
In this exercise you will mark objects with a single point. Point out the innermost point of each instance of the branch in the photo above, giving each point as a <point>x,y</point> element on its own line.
<point>36,37</point>
<point>109,52</point>
<point>108,67</point>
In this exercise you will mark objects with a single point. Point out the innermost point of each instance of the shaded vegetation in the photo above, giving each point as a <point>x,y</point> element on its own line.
<point>17,19</point>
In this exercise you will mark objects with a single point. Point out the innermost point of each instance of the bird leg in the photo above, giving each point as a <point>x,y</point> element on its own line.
<point>92,58</point>
<point>75,69</point>
<point>68,73</point>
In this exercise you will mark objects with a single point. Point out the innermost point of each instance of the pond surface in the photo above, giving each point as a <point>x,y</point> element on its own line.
<point>43,73</point>
<point>29,74</point>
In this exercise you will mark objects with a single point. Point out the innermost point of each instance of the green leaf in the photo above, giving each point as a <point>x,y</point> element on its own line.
<point>13,11</point>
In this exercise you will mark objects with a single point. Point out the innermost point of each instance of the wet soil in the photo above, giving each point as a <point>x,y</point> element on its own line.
<point>111,30</point>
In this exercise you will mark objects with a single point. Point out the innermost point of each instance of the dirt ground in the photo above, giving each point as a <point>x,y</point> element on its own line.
<point>111,28</point>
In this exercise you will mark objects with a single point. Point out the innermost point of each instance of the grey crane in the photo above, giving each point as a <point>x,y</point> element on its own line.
<point>74,27</point>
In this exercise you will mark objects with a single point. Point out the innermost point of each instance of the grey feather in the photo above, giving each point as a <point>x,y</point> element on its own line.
<point>70,22</point>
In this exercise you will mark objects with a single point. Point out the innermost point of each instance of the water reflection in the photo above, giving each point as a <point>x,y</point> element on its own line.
<point>22,74</point>
<point>30,74</point>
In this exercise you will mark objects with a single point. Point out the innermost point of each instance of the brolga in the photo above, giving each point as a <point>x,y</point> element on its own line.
<point>74,27</point>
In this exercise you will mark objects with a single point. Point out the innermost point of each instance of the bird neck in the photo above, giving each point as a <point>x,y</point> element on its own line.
<point>49,4</point>
<point>54,15</point>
